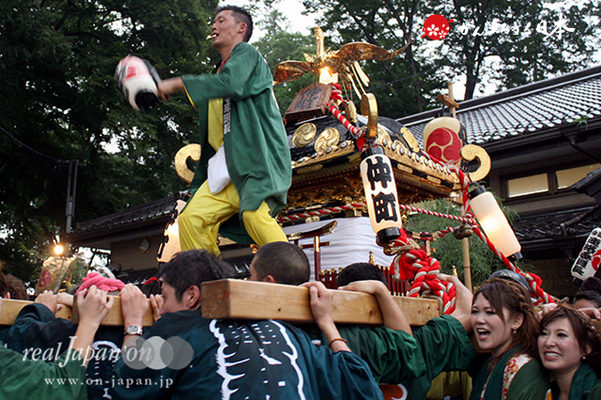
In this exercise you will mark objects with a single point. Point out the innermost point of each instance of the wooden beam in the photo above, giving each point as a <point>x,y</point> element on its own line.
<point>115,316</point>
<point>11,308</point>
<point>238,299</point>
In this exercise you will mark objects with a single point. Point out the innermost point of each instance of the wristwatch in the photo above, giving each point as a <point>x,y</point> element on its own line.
<point>134,330</point>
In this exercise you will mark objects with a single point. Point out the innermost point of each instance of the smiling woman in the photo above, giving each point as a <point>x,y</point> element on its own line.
<point>569,346</point>
<point>504,324</point>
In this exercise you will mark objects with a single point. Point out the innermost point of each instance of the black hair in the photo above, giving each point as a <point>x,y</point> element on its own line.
<point>152,285</point>
<point>589,290</point>
<point>591,283</point>
<point>360,271</point>
<point>285,262</point>
<point>589,295</point>
<point>192,268</point>
<point>16,288</point>
<point>240,15</point>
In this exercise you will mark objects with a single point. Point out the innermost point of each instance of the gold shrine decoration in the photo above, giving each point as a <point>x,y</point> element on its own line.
<point>369,108</point>
<point>472,152</point>
<point>327,140</point>
<point>410,139</point>
<point>383,136</point>
<point>304,135</point>
<point>191,151</point>
<point>341,64</point>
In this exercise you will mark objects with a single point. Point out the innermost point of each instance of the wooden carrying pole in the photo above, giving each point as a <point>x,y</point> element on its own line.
<point>232,298</point>
<point>10,309</point>
<point>238,299</point>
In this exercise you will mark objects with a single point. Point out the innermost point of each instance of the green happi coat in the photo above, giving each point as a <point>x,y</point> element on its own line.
<point>585,385</point>
<point>21,378</point>
<point>256,147</point>
<point>243,359</point>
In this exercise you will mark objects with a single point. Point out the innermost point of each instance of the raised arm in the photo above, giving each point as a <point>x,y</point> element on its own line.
<point>170,86</point>
<point>463,301</point>
<point>321,307</point>
<point>93,305</point>
<point>133,307</point>
<point>393,316</point>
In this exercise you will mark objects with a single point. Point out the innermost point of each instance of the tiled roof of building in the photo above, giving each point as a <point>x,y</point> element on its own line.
<point>145,212</point>
<point>569,223</point>
<point>539,106</point>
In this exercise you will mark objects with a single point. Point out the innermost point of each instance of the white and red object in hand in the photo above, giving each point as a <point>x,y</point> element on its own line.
<point>137,79</point>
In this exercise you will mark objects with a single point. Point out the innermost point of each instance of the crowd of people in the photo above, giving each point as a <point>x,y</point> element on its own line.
<point>495,339</point>
<point>495,345</point>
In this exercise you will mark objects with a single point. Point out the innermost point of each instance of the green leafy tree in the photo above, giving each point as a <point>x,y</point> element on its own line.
<point>500,44</point>
<point>511,43</point>
<point>404,85</point>
<point>448,249</point>
<point>60,102</point>
<point>279,45</point>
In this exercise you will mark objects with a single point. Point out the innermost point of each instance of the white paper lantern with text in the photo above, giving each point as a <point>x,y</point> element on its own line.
<point>381,195</point>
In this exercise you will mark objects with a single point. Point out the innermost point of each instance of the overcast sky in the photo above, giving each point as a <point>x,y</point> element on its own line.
<point>290,8</point>
<point>300,23</point>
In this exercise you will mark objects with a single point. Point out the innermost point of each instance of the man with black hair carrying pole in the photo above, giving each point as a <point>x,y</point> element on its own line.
<point>233,359</point>
<point>245,165</point>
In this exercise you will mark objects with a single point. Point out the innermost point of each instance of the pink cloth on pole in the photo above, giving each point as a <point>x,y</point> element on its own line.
<point>102,283</point>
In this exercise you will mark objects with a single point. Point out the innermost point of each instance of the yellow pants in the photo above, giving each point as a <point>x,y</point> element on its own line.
<point>199,222</point>
<point>453,384</point>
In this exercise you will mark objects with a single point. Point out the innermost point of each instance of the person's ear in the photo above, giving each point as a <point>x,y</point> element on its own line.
<point>269,279</point>
<point>517,321</point>
<point>192,299</point>
<point>242,27</point>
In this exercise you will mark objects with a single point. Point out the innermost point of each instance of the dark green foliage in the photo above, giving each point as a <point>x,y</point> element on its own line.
<point>488,56</point>
<point>278,46</point>
<point>448,249</point>
<point>60,102</point>
<point>405,85</point>
<point>518,37</point>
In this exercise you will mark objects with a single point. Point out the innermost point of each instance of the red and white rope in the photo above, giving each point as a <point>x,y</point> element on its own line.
<point>355,132</point>
<point>416,263</point>
<point>336,95</point>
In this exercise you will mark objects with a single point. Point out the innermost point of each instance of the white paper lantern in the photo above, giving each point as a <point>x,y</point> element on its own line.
<point>381,195</point>
<point>493,221</point>
<point>170,243</point>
